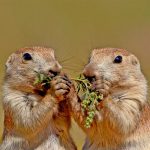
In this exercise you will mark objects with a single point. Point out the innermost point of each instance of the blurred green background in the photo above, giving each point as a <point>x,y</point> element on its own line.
<point>73,28</point>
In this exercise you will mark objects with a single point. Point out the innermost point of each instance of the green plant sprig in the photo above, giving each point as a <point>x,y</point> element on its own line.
<point>90,99</point>
<point>43,80</point>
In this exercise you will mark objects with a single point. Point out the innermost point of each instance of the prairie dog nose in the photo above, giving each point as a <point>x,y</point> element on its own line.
<point>90,72</point>
<point>55,69</point>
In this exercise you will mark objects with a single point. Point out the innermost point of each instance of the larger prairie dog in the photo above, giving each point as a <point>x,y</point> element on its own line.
<point>35,120</point>
<point>122,120</point>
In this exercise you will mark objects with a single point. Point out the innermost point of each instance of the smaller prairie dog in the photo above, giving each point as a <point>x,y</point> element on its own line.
<point>35,120</point>
<point>122,119</point>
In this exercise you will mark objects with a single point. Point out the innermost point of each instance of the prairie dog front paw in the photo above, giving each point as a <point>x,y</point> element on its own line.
<point>102,86</point>
<point>60,87</point>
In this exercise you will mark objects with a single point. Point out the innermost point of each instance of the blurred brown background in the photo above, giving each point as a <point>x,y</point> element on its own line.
<point>73,28</point>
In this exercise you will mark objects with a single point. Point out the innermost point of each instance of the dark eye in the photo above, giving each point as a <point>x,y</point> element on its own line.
<point>27,56</point>
<point>118,59</point>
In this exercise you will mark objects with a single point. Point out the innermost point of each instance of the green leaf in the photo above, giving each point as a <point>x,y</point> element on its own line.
<point>90,99</point>
<point>42,79</point>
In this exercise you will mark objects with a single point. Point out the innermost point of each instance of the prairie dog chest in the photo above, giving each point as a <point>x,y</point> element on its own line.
<point>33,99</point>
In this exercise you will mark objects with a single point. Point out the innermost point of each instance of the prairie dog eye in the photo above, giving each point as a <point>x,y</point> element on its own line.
<point>118,59</point>
<point>27,56</point>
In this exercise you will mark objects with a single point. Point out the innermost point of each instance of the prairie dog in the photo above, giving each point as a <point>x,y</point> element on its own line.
<point>34,120</point>
<point>122,119</point>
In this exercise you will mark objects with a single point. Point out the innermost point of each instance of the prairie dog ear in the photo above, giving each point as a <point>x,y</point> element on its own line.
<point>134,60</point>
<point>52,53</point>
<point>9,61</point>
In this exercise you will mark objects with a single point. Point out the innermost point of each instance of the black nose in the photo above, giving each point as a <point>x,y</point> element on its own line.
<point>54,73</point>
<point>90,78</point>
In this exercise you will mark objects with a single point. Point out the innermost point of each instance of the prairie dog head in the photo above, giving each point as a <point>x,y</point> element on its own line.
<point>116,67</point>
<point>22,65</point>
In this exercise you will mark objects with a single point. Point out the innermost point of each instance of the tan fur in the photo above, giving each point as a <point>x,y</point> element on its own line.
<point>122,122</point>
<point>33,121</point>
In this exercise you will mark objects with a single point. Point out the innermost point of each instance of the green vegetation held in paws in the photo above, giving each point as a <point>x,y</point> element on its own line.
<point>42,81</point>
<point>90,99</point>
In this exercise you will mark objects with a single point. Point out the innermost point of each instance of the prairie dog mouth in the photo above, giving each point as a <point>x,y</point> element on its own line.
<point>91,79</point>
<point>52,73</point>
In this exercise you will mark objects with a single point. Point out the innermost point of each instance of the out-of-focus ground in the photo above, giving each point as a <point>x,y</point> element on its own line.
<point>73,28</point>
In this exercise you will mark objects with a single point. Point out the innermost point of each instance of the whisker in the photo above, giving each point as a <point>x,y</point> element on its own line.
<point>73,72</point>
<point>72,66</point>
<point>66,59</point>
<point>72,69</point>
<point>82,61</point>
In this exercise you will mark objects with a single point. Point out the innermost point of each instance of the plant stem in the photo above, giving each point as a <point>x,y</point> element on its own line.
<point>80,80</point>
